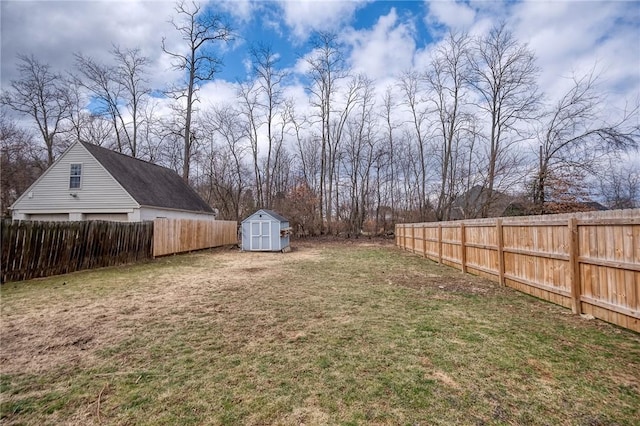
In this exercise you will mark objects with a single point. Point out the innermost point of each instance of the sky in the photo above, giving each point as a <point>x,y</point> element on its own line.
<point>384,38</point>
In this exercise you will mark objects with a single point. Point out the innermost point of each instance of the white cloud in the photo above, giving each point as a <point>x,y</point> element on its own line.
<point>305,16</point>
<point>54,30</point>
<point>241,10</point>
<point>576,37</point>
<point>567,37</point>
<point>453,14</point>
<point>385,50</point>
<point>217,92</point>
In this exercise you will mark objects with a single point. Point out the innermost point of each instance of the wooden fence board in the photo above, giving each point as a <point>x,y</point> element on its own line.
<point>589,262</point>
<point>182,235</point>
<point>40,249</point>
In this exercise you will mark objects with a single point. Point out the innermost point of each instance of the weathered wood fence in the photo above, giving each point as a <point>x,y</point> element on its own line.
<point>180,235</point>
<point>40,249</point>
<point>589,262</point>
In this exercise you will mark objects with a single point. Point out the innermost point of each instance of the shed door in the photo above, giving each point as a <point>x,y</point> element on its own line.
<point>261,235</point>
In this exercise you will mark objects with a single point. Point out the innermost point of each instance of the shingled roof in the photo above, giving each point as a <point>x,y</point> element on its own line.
<point>276,215</point>
<point>149,184</point>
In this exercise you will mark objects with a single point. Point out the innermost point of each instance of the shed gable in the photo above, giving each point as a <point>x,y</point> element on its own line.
<point>264,214</point>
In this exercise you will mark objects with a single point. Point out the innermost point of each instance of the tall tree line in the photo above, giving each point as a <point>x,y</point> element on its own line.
<point>440,143</point>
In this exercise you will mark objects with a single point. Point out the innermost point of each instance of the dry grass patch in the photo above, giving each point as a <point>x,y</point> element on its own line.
<point>354,333</point>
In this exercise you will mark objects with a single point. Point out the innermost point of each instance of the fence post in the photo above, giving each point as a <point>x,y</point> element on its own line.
<point>574,266</point>
<point>500,251</point>
<point>424,240</point>
<point>440,243</point>
<point>404,235</point>
<point>463,249</point>
<point>413,238</point>
<point>396,230</point>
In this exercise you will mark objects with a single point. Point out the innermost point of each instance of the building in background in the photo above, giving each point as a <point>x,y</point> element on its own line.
<point>89,182</point>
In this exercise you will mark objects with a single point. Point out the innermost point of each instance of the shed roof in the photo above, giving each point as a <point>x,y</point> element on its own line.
<point>149,184</point>
<point>273,214</point>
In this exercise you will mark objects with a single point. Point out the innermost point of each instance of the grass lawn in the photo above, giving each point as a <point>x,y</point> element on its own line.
<point>350,333</point>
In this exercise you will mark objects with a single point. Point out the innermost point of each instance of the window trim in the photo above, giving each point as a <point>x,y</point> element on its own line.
<point>72,176</point>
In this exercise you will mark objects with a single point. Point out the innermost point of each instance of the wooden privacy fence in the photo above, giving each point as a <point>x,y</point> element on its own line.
<point>40,249</point>
<point>587,262</point>
<point>180,235</point>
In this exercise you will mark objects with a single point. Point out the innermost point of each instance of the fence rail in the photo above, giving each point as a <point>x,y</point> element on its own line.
<point>40,249</point>
<point>587,262</point>
<point>180,235</point>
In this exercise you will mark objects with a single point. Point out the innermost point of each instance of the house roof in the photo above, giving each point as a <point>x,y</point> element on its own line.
<point>468,205</point>
<point>271,213</point>
<point>149,184</point>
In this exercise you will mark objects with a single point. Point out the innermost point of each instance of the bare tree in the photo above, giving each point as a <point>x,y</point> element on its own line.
<point>326,68</point>
<point>199,29</point>
<point>619,186</point>
<point>171,127</point>
<point>226,172</point>
<point>576,135</point>
<point>504,75</point>
<point>118,90</point>
<point>387,158</point>
<point>447,81</point>
<point>42,95</point>
<point>130,72</point>
<point>281,157</point>
<point>267,116</point>
<point>249,110</point>
<point>360,151</point>
<point>410,86</point>
<point>99,79</point>
<point>269,80</point>
<point>20,162</point>
<point>82,124</point>
<point>150,133</point>
<point>282,178</point>
<point>472,164</point>
<point>342,109</point>
<point>307,152</point>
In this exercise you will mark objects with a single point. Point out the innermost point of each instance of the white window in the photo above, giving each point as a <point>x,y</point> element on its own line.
<point>75,176</point>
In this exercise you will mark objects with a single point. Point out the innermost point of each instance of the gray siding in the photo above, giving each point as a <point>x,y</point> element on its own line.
<point>111,217</point>
<point>150,213</point>
<point>275,236</point>
<point>99,191</point>
<point>59,217</point>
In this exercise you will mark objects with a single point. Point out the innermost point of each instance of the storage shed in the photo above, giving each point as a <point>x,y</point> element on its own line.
<point>265,230</point>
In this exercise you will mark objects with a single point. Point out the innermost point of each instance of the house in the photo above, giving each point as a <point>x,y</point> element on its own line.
<point>265,230</point>
<point>469,205</point>
<point>552,207</point>
<point>89,182</point>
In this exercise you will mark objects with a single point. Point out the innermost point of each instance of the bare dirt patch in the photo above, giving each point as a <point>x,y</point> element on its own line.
<point>45,335</point>
<point>444,280</point>
<point>461,285</point>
